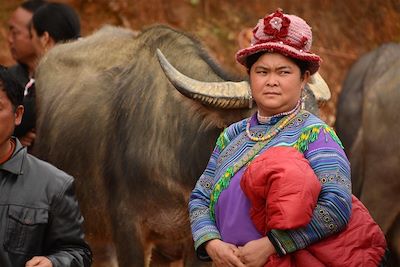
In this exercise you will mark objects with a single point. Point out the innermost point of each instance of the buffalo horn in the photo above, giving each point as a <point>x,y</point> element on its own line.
<point>319,87</point>
<point>226,95</point>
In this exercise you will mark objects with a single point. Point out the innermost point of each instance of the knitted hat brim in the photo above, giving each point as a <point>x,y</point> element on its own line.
<point>313,60</point>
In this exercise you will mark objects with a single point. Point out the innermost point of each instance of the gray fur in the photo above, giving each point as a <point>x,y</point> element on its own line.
<point>369,124</point>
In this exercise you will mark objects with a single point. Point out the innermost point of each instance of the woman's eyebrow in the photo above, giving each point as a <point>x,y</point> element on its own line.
<point>277,68</point>
<point>284,67</point>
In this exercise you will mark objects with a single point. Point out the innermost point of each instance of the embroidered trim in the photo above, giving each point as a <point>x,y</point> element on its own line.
<point>327,219</point>
<point>205,238</point>
<point>286,242</point>
<point>274,130</point>
<point>222,140</point>
<point>280,250</point>
<point>310,134</point>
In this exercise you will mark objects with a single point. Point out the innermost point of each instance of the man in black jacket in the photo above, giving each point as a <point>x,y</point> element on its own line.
<point>20,40</point>
<point>40,220</point>
<point>23,52</point>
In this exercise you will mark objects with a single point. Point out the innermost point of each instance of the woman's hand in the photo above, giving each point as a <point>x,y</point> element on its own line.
<point>255,253</point>
<point>223,254</point>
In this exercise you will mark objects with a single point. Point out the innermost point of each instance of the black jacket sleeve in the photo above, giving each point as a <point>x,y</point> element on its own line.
<point>65,238</point>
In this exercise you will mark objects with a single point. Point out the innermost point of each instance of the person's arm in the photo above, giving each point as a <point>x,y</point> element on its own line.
<point>203,226</point>
<point>64,241</point>
<point>333,209</point>
<point>207,239</point>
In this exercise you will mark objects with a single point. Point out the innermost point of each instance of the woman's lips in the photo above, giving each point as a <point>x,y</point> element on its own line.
<point>271,93</point>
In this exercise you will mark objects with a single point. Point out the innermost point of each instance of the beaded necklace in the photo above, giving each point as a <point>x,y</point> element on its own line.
<point>289,115</point>
<point>267,119</point>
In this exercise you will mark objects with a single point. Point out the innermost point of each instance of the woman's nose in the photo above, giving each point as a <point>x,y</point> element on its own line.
<point>271,80</point>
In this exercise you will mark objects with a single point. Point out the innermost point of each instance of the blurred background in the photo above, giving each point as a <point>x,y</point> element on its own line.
<point>343,29</point>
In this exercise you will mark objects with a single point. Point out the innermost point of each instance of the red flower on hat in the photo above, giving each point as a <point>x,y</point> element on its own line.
<point>276,25</point>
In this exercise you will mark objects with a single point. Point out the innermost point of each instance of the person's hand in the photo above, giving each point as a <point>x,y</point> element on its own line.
<point>39,261</point>
<point>28,138</point>
<point>223,254</point>
<point>255,253</point>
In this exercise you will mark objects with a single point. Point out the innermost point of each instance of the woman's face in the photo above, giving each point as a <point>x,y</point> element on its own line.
<point>41,43</point>
<point>37,43</point>
<point>276,83</point>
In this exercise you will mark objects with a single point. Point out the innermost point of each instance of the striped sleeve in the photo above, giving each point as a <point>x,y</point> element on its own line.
<point>333,210</point>
<point>203,227</point>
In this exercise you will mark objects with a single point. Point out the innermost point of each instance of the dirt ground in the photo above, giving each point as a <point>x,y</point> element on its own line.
<point>343,30</point>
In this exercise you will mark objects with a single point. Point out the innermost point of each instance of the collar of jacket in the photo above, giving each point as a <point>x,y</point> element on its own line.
<point>15,163</point>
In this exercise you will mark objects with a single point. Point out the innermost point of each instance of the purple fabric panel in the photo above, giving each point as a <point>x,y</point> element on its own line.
<point>232,214</point>
<point>253,120</point>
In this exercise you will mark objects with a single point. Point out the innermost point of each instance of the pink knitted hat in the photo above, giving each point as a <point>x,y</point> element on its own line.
<point>286,34</point>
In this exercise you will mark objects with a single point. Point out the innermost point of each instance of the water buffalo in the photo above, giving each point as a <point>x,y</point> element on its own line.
<point>368,124</point>
<point>108,114</point>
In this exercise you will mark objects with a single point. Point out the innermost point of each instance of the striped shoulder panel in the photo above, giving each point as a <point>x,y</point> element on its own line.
<point>230,133</point>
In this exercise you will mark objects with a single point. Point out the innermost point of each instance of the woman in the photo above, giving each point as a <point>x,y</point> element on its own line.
<point>279,63</point>
<point>53,23</point>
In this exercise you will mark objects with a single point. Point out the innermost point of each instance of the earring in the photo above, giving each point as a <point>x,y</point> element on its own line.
<point>251,99</point>
<point>303,98</point>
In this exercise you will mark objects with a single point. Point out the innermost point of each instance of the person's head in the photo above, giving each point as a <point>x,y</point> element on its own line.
<point>54,23</point>
<point>279,62</point>
<point>11,109</point>
<point>19,38</point>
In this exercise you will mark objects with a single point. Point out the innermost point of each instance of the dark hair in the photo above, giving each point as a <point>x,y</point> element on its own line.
<point>59,20</point>
<point>33,5</point>
<point>12,88</point>
<point>251,59</point>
